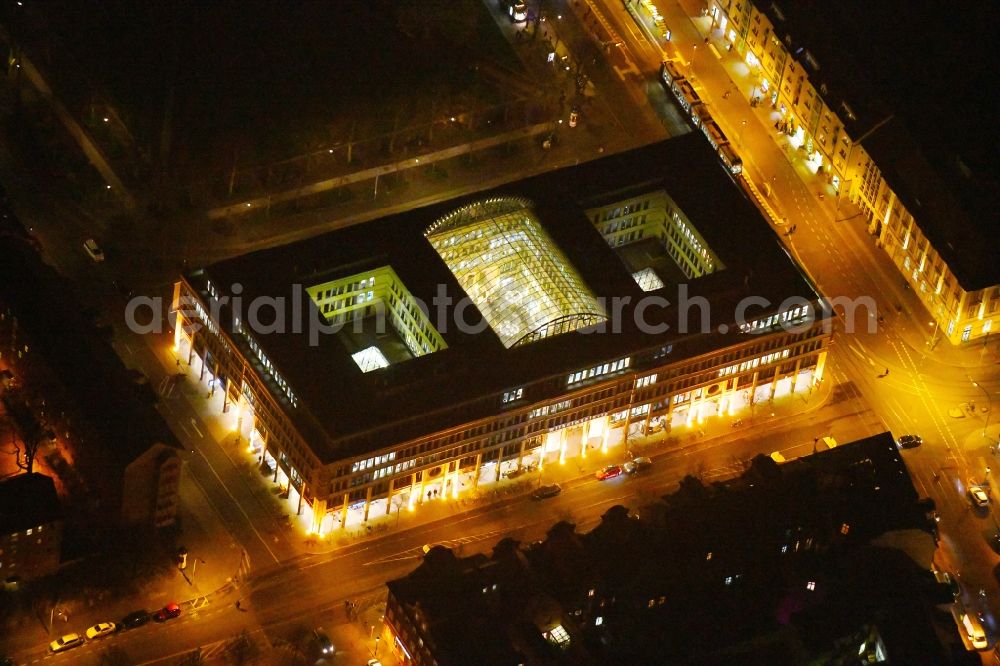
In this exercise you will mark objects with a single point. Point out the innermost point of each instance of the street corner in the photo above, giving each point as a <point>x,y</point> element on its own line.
<point>984,437</point>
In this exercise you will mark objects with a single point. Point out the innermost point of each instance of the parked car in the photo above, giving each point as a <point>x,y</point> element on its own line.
<point>609,472</point>
<point>135,619</point>
<point>978,496</point>
<point>93,250</point>
<point>168,612</point>
<point>67,642</point>
<point>323,641</point>
<point>909,441</point>
<point>637,465</point>
<point>101,630</point>
<point>550,490</point>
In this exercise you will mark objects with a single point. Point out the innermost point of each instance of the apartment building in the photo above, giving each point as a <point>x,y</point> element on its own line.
<point>904,164</point>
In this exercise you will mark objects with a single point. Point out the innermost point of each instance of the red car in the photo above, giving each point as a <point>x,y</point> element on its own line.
<point>609,472</point>
<point>168,612</point>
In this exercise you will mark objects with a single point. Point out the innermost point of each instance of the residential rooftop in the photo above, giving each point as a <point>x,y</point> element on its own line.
<point>543,232</point>
<point>786,564</point>
<point>27,501</point>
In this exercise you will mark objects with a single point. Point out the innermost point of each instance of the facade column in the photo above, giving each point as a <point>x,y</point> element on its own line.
<point>584,438</point>
<point>413,491</point>
<point>520,455</point>
<point>215,380</point>
<point>691,409</point>
<point>649,417</point>
<point>562,446</point>
<point>423,485</point>
<point>368,502</point>
<point>204,362</point>
<point>388,500</point>
<point>820,366</point>
<point>795,376</point>
<point>343,513</point>
<point>774,382</point>
<point>605,433</point>
<point>319,513</point>
<point>479,468</point>
<point>276,459</point>
<point>302,494</point>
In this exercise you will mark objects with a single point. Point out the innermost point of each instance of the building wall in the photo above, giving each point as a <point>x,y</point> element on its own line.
<point>32,553</point>
<point>959,315</point>
<point>152,483</point>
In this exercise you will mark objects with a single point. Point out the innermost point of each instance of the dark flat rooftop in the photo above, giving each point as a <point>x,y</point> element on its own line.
<point>336,399</point>
<point>27,501</point>
<point>932,69</point>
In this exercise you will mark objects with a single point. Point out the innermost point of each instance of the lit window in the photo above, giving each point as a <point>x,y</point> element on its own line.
<point>811,585</point>
<point>29,532</point>
<point>598,621</point>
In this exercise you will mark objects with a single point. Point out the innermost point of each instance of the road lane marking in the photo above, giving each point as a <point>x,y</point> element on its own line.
<point>195,426</point>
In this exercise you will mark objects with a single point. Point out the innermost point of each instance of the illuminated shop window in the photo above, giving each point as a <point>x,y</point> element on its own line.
<point>512,270</point>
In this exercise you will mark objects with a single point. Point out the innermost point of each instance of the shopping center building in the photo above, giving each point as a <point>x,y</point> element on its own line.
<point>428,354</point>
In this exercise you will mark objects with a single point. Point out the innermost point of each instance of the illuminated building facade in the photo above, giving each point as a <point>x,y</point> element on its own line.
<point>549,319</point>
<point>930,220</point>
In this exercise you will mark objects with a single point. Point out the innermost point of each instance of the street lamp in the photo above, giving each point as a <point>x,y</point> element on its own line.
<point>989,405</point>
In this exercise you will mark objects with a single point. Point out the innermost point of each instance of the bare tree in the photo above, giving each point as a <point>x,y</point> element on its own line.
<point>21,421</point>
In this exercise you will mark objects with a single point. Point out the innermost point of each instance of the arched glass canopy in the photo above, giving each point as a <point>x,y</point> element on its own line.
<point>513,271</point>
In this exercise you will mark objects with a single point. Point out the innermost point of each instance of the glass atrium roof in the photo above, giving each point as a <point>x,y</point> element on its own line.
<point>513,271</point>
